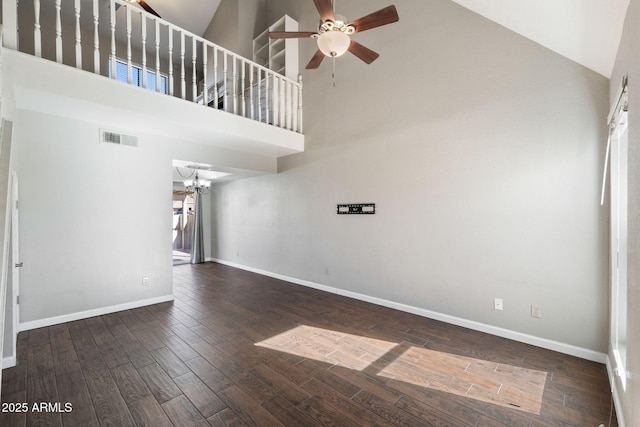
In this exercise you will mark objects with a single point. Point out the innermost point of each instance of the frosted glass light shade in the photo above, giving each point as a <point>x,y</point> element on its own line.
<point>188,182</point>
<point>333,43</point>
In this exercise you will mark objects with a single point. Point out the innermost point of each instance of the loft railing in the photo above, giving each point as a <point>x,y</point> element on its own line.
<point>118,40</point>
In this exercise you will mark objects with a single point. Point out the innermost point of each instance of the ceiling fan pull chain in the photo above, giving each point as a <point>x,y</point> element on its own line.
<point>333,75</point>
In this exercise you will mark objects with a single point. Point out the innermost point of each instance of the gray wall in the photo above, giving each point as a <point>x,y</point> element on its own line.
<point>235,24</point>
<point>628,63</point>
<point>483,152</point>
<point>94,218</point>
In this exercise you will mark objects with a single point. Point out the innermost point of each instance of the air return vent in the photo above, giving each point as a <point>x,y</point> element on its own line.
<point>112,137</point>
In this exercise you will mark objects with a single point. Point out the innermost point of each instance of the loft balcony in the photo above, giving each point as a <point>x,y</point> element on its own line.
<point>86,58</point>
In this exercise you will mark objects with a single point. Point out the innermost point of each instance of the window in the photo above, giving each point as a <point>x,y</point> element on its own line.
<point>136,76</point>
<point>618,139</point>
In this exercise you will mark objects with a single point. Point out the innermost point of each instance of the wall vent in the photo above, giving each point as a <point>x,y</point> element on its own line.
<point>112,137</point>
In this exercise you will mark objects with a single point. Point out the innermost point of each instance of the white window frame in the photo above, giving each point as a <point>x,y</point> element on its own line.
<point>617,152</point>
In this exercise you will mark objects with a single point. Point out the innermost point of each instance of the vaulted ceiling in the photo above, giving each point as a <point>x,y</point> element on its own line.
<point>192,15</point>
<point>585,31</point>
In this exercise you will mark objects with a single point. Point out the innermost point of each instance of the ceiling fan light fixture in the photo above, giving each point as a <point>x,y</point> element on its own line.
<point>333,43</point>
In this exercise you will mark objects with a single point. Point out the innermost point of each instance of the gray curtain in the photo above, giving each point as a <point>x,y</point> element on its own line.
<point>197,248</point>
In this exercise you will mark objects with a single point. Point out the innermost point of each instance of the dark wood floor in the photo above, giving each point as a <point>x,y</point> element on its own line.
<point>236,348</point>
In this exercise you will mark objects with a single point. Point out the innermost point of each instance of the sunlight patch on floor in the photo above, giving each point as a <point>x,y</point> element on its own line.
<point>500,384</point>
<point>351,351</point>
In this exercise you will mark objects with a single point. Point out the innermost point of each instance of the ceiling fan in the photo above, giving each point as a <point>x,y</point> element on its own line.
<point>334,31</point>
<point>143,4</point>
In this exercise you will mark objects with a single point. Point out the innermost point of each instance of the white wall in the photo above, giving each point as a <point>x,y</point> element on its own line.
<point>91,218</point>
<point>483,153</point>
<point>95,218</point>
<point>628,63</point>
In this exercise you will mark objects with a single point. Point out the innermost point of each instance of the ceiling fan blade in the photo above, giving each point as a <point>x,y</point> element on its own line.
<point>364,53</point>
<point>382,17</point>
<point>148,8</point>
<point>325,9</point>
<point>315,61</point>
<point>291,34</point>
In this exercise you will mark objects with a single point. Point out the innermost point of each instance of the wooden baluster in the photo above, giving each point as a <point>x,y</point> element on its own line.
<point>37,35</point>
<point>279,100</point>
<point>170,30</point>
<point>275,100</point>
<point>242,88</point>
<point>205,87</point>
<point>286,99</point>
<point>283,104</point>
<point>183,82</point>
<point>216,97</point>
<point>225,83</point>
<point>78,35</point>
<point>235,84</point>
<point>194,74</point>
<point>10,24</point>
<point>259,98</point>
<point>58,32</point>
<point>294,107</point>
<point>158,78</point>
<point>96,37</point>
<point>112,18</point>
<point>282,107</point>
<point>288,102</point>
<point>143,26</point>
<point>129,58</point>
<point>251,100</point>
<point>299,103</point>
<point>17,34</point>
<point>268,96</point>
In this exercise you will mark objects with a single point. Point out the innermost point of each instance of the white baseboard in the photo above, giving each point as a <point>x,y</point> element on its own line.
<point>614,392</point>
<point>466,323</point>
<point>9,362</point>
<point>50,321</point>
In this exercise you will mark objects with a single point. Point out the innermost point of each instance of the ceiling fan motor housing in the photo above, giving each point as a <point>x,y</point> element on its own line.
<point>340,23</point>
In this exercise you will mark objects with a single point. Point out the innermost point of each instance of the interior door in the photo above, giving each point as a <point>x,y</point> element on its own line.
<point>15,256</point>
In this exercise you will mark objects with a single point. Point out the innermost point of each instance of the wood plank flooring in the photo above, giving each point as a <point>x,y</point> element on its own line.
<point>236,348</point>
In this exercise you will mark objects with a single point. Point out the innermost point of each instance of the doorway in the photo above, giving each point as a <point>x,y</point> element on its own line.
<point>183,219</point>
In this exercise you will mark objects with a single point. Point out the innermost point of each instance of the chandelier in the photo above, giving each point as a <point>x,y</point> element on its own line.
<point>197,185</point>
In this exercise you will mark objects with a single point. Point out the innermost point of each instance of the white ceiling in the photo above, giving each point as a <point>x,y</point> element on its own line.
<point>585,31</point>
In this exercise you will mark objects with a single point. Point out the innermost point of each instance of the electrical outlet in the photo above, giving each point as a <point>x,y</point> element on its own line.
<point>497,304</point>
<point>326,271</point>
<point>145,281</point>
<point>535,311</point>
